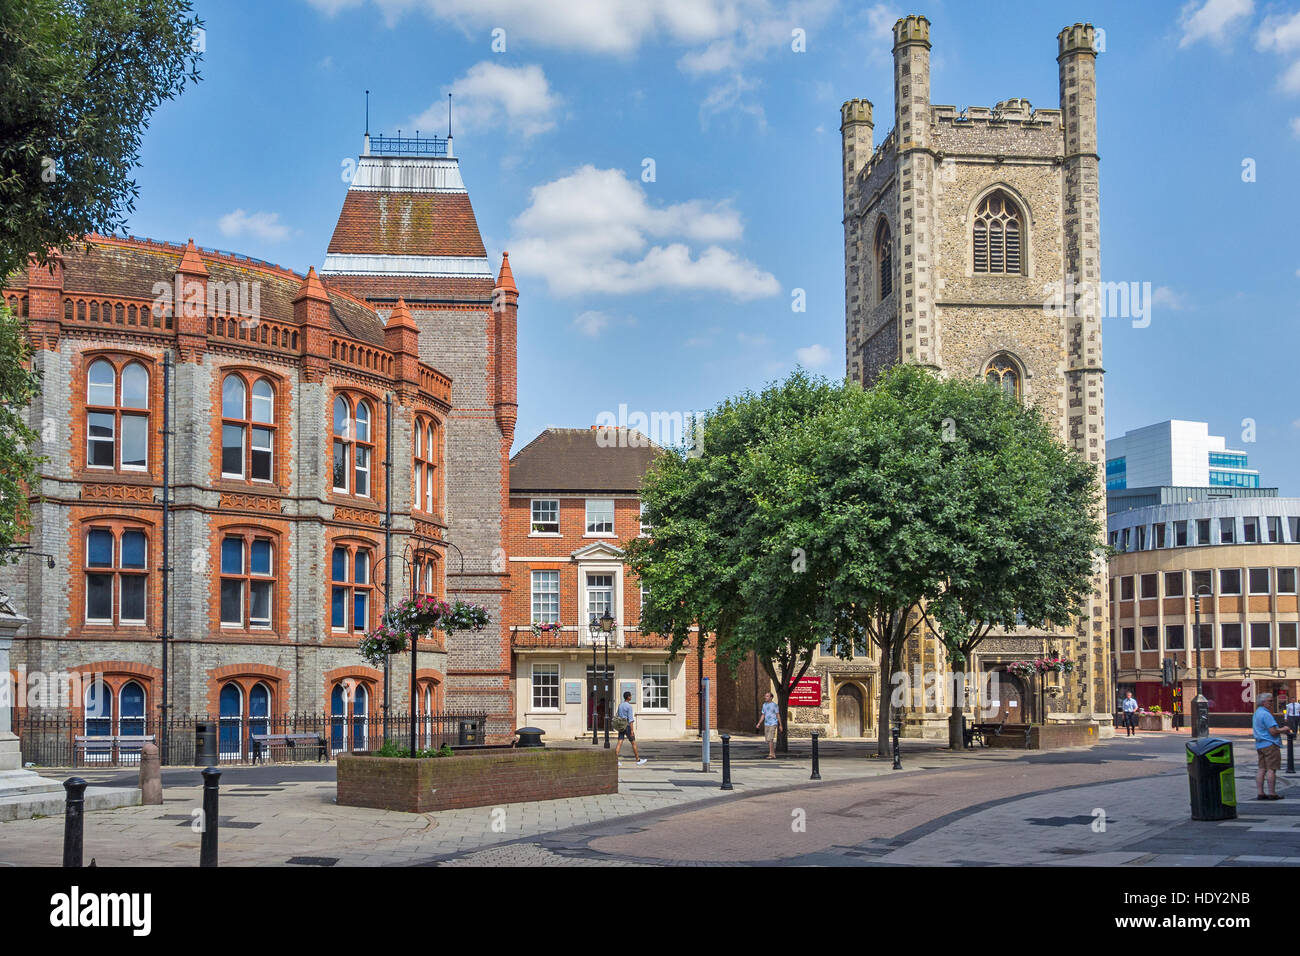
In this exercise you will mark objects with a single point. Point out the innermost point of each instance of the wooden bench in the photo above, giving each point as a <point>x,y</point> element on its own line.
<point>260,744</point>
<point>109,747</point>
<point>1008,729</point>
<point>981,731</point>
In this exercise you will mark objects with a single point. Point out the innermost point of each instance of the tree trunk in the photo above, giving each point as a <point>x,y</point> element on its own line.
<point>783,705</point>
<point>956,726</point>
<point>886,692</point>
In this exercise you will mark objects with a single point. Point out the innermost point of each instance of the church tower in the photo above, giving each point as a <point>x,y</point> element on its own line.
<point>960,228</point>
<point>407,232</point>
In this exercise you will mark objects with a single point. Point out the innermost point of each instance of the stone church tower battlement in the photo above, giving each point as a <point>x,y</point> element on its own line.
<point>958,229</point>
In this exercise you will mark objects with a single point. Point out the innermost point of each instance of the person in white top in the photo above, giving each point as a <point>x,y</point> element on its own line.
<point>1293,715</point>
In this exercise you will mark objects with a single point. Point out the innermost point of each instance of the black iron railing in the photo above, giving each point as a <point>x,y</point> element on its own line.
<point>62,740</point>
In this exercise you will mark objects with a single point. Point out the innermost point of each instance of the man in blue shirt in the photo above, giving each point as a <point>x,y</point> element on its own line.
<point>770,722</point>
<point>624,718</point>
<point>1129,706</point>
<point>1267,750</point>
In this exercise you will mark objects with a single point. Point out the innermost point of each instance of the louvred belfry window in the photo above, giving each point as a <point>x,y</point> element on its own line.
<point>997,240</point>
<point>884,259</point>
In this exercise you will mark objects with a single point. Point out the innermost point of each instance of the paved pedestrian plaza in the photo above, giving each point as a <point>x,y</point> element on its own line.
<point>1124,801</point>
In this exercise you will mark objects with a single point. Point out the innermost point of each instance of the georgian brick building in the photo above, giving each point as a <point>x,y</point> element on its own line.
<point>574,503</point>
<point>302,409</point>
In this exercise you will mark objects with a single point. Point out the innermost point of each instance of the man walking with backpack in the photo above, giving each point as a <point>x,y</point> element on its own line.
<point>623,721</point>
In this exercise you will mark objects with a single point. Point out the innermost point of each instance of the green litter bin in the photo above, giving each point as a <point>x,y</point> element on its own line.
<point>1210,779</point>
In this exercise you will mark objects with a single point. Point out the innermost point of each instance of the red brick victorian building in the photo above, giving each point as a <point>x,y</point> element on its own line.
<point>335,439</point>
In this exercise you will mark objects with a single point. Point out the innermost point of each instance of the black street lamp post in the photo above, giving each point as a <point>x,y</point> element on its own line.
<point>604,626</point>
<point>1200,706</point>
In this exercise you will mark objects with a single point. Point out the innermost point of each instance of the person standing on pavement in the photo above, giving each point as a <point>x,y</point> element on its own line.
<point>1267,750</point>
<point>770,721</point>
<point>623,721</point>
<point>1293,715</point>
<point>1129,706</point>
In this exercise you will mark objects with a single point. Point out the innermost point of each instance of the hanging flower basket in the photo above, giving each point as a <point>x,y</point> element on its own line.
<point>540,629</point>
<point>1022,668</point>
<point>1059,665</point>
<point>406,621</point>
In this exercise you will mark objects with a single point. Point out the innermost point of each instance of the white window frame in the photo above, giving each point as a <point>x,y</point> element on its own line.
<point>1240,583</point>
<point>667,689</point>
<point>645,528</point>
<point>546,670</point>
<point>1268,588</point>
<point>1250,638</point>
<point>535,593</point>
<point>533,522</point>
<point>1277,578</point>
<point>589,523</point>
<point>1293,642</point>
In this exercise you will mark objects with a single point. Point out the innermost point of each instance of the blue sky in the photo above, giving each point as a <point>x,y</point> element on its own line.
<point>670,294</point>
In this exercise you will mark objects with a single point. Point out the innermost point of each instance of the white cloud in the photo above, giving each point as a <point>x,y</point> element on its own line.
<point>744,338</point>
<point>593,26</point>
<point>1213,20</point>
<point>491,95</point>
<point>729,98</point>
<point>1279,33</point>
<point>326,63</point>
<point>591,323</point>
<point>1295,126</point>
<point>720,36</point>
<point>1289,81</point>
<point>592,231</point>
<point>813,356</point>
<point>262,225</point>
<point>333,7</point>
<point>1167,298</point>
<point>880,24</point>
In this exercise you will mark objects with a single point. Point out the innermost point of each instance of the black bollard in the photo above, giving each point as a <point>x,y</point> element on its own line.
<point>726,761</point>
<point>74,821</point>
<point>211,821</point>
<point>816,774</point>
<point>1290,751</point>
<point>898,764</point>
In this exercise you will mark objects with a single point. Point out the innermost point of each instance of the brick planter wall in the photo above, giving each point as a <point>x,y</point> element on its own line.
<point>474,779</point>
<point>1051,737</point>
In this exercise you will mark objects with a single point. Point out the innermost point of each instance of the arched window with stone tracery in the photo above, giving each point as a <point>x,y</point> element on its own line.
<point>998,238</point>
<point>1004,372</point>
<point>884,260</point>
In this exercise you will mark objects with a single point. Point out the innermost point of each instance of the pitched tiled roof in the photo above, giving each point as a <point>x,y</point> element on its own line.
<point>407,224</point>
<point>573,459</point>
<point>130,267</point>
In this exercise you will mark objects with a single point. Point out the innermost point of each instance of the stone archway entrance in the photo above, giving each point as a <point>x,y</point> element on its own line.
<point>1014,704</point>
<point>849,711</point>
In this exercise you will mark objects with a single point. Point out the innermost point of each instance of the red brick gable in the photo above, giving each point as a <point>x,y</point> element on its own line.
<point>407,224</point>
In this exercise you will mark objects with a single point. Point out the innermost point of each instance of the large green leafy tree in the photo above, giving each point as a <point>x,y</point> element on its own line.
<point>842,517</point>
<point>79,80</point>
<point>1026,555</point>
<point>699,560</point>
<point>859,490</point>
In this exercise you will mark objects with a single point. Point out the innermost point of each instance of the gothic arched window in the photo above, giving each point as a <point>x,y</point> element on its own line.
<point>1004,373</point>
<point>884,260</point>
<point>997,240</point>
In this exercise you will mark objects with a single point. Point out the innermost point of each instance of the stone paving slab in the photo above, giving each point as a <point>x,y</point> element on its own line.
<point>299,818</point>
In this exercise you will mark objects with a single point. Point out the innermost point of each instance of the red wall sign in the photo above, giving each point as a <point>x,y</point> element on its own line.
<point>807,693</point>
